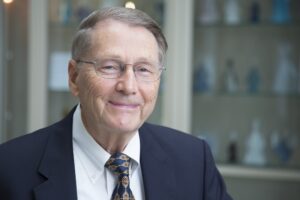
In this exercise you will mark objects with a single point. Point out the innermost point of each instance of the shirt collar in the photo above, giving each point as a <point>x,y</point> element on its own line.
<point>133,151</point>
<point>94,156</point>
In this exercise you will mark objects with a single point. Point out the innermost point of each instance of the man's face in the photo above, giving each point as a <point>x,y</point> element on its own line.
<point>118,105</point>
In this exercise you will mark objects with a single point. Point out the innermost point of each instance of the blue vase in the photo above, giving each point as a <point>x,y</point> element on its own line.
<point>281,11</point>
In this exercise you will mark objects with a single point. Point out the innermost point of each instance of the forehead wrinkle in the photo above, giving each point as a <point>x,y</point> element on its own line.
<point>105,33</point>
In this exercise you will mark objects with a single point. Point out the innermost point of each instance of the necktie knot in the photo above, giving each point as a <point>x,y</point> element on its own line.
<point>118,164</point>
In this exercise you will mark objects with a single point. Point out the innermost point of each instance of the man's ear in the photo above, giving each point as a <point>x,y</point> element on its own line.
<point>73,74</point>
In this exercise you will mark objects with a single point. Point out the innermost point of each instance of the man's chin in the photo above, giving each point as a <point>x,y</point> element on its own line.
<point>127,128</point>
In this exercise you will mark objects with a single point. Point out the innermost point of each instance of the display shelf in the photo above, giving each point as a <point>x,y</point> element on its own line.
<point>246,95</point>
<point>276,174</point>
<point>292,25</point>
<point>218,116</point>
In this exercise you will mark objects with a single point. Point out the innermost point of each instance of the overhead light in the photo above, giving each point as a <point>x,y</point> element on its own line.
<point>7,1</point>
<point>130,4</point>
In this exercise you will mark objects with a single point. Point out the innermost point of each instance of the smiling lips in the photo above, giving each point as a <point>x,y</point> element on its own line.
<point>122,105</point>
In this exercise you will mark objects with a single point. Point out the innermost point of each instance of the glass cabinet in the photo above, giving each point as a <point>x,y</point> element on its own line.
<point>246,81</point>
<point>246,93</point>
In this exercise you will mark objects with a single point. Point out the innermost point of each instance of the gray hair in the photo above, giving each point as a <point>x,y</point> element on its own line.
<point>82,40</point>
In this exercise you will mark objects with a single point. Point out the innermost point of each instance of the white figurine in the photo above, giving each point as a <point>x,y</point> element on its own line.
<point>255,146</point>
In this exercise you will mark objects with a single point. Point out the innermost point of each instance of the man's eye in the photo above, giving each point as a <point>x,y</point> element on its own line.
<point>144,69</point>
<point>108,69</point>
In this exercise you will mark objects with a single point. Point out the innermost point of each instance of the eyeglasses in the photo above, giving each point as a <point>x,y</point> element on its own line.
<point>113,69</point>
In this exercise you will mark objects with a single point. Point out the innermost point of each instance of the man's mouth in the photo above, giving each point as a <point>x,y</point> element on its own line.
<point>124,105</point>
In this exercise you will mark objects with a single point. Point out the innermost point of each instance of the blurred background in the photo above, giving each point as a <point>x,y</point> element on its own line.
<point>232,78</point>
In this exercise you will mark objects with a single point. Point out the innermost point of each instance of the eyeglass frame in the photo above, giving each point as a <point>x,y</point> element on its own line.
<point>122,67</point>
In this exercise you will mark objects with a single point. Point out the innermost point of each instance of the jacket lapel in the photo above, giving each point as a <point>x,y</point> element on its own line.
<point>57,164</point>
<point>157,168</point>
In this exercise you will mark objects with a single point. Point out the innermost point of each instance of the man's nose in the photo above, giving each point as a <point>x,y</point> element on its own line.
<point>127,82</point>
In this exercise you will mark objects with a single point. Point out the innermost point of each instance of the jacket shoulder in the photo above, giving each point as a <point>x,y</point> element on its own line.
<point>192,158</point>
<point>21,158</point>
<point>24,144</point>
<point>27,149</point>
<point>175,140</point>
<point>30,143</point>
<point>165,133</point>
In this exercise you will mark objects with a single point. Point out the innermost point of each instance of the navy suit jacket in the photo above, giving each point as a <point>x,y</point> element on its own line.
<point>175,166</point>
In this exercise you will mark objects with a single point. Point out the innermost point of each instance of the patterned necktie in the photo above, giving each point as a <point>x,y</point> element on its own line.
<point>119,165</point>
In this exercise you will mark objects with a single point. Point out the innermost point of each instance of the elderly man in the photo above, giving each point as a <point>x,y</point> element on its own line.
<point>104,149</point>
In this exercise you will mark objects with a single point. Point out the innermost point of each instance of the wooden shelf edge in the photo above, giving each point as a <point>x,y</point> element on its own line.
<point>259,173</point>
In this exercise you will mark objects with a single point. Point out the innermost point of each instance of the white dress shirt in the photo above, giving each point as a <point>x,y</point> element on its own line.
<point>93,180</point>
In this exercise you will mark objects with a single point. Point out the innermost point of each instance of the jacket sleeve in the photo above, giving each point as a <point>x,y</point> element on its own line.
<point>215,188</point>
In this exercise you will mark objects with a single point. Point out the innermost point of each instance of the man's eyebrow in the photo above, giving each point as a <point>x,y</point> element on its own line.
<point>115,57</point>
<point>109,56</point>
